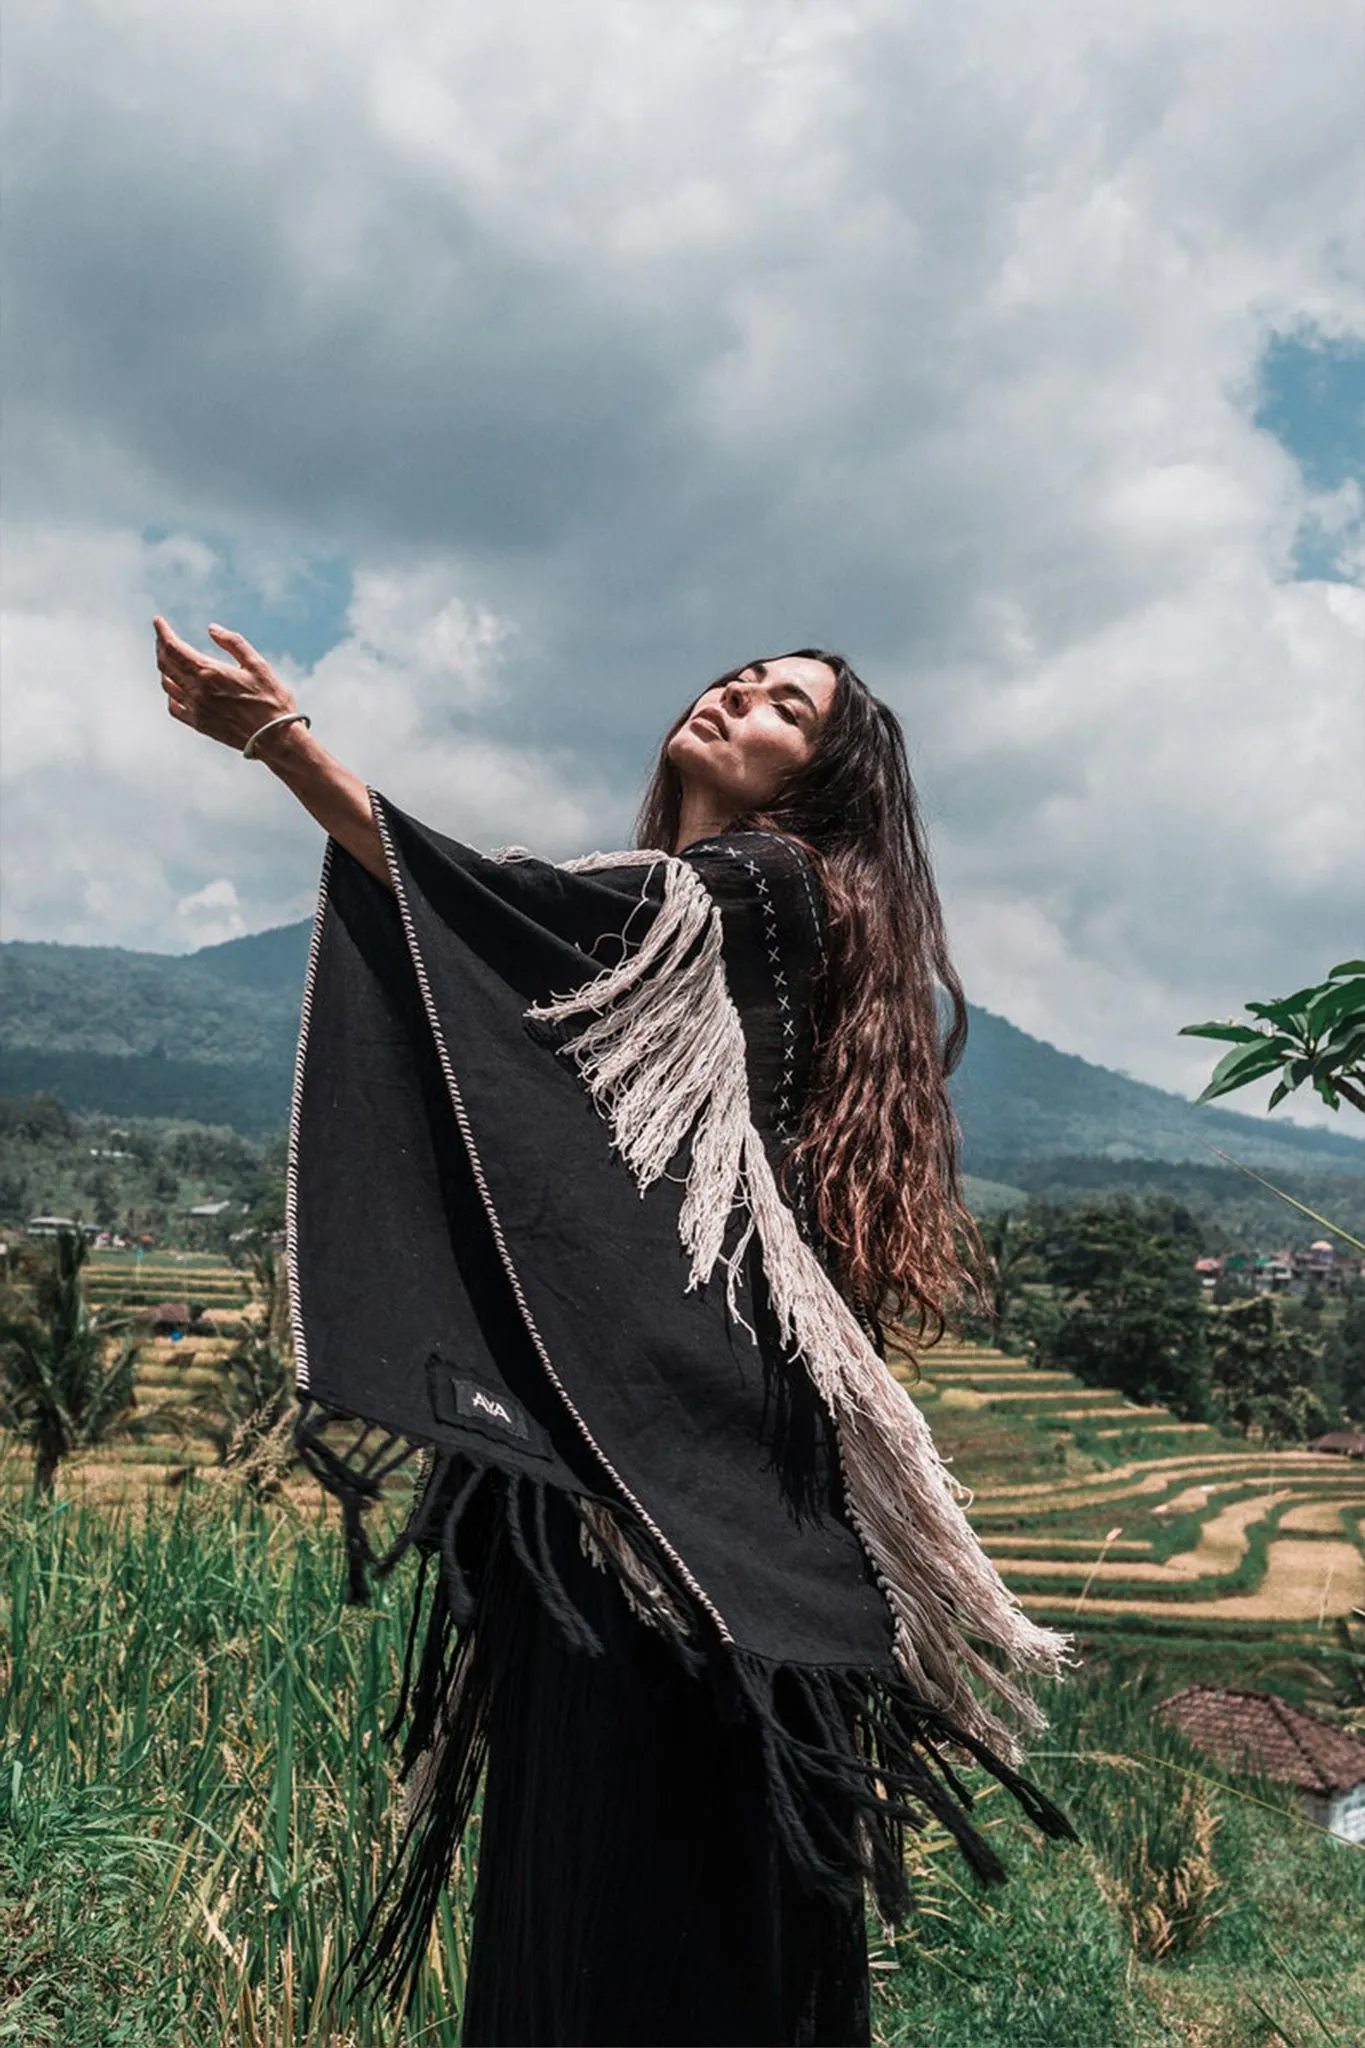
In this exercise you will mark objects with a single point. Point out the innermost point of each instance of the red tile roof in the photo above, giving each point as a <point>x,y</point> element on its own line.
<point>1255,1731</point>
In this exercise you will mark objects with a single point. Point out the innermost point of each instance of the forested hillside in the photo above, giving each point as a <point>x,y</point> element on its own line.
<point>133,1175</point>
<point>211,1035</point>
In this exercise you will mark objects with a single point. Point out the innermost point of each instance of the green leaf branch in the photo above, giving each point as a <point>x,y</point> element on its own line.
<point>1316,1035</point>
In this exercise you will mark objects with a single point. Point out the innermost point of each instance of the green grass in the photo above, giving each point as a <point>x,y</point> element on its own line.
<point>195,1806</point>
<point>1050,1961</point>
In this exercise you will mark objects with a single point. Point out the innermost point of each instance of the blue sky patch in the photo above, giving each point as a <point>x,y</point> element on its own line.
<point>299,613</point>
<point>1312,399</point>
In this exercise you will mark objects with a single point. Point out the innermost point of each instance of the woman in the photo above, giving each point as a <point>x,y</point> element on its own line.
<point>604,1180</point>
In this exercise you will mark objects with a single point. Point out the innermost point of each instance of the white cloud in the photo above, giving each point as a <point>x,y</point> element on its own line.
<point>120,827</point>
<point>415,618</point>
<point>614,345</point>
<point>1161,823</point>
<point>211,914</point>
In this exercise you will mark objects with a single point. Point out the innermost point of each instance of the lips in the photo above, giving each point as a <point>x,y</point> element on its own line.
<point>712,719</point>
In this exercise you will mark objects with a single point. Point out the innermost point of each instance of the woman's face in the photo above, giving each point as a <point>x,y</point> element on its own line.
<point>742,739</point>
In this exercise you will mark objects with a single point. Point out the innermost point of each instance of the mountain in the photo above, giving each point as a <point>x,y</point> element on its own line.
<point>1019,1098</point>
<point>210,1036</point>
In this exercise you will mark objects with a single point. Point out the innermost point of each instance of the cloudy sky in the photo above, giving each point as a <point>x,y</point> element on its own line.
<point>506,370</point>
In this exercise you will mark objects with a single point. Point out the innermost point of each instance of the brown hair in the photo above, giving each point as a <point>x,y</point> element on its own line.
<point>881,1141</point>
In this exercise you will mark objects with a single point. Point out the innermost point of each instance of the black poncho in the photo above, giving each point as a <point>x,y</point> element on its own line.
<point>538,1234</point>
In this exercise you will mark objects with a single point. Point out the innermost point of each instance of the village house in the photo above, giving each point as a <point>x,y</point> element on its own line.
<point>1261,1734</point>
<point>1322,1266</point>
<point>1340,1443</point>
<point>53,1226</point>
<point>176,1318</point>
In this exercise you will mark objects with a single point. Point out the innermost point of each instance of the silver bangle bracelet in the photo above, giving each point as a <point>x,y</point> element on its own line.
<point>272,725</point>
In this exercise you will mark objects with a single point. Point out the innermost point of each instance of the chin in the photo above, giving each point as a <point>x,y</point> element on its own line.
<point>688,753</point>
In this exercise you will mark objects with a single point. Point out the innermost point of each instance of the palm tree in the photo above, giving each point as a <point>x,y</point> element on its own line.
<point>60,1390</point>
<point>1011,1251</point>
<point>248,1416</point>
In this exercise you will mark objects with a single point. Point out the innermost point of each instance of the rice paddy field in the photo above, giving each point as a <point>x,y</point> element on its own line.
<point>196,1802</point>
<point>1140,1530</point>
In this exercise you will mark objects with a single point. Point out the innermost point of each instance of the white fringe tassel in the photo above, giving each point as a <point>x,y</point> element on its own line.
<point>662,1052</point>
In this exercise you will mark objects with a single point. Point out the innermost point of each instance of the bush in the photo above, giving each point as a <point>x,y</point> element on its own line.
<point>1156,1845</point>
<point>1265,1376</point>
<point>1129,1310</point>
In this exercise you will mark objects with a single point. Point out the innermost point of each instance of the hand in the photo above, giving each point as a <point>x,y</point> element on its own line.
<point>225,700</point>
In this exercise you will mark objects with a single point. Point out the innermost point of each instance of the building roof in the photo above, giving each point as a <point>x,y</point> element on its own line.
<point>178,1312</point>
<point>1257,1731</point>
<point>1347,1443</point>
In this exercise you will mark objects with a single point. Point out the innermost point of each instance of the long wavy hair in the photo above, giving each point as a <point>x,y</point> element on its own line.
<point>880,1139</point>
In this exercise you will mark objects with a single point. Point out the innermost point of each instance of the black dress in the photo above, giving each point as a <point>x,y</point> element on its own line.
<point>632,1886</point>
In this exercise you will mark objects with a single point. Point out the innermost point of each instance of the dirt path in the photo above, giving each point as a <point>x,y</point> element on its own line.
<point>1320,1517</point>
<point>1220,1549</point>
<point>1134,1481</point>
<point>1303,1580</point>
<point>1187,1501</point>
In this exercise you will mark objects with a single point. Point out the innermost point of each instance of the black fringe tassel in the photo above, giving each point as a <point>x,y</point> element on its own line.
<point>844,1747</point>
<point>851,1759</point>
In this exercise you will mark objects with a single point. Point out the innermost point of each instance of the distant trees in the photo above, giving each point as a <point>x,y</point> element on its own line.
<point>200,1152</point>
<point>66,1372</point>
<point>1267,1376</point>
<point>36,1117</point>
<point>1106,1289</point>
<point>1344,1362</point>
<point>1126,1309</point>
<point>1009,1242</point>
<point>102,1196</point>
<point>121,1174</point>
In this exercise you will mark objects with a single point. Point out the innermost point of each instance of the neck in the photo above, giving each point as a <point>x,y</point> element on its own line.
<point>703,815</point>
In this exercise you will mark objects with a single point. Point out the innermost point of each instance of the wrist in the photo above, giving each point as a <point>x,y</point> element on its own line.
<point>271,743</point>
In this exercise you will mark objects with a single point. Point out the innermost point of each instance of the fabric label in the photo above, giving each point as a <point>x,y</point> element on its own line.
<point>498,1411</point>
<point>457,1397</point>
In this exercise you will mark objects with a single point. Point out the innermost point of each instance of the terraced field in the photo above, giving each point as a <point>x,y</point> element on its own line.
<point>1105,1517</point>
<point>167,1445</point>
<point>1113,1519</point>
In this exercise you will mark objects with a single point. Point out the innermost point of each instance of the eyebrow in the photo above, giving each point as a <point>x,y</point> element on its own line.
<point>783,689</point>
<point>795,690</point>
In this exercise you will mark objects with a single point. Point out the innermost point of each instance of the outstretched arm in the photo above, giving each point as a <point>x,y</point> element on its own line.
<point>230,700</point>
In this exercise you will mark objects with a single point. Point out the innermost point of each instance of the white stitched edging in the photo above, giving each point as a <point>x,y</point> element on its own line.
<point>495,1224</point>
<point>291,1173</point>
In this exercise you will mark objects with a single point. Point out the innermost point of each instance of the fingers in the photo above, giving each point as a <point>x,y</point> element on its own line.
<point>169,642</point>
<point>179,661</point>
<point>177,658</point>
<point>174,659</point>
<point>238,646</point>
<point>226,700</point>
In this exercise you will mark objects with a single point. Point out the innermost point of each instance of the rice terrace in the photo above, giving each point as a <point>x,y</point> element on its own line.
<point>198,1804</point>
